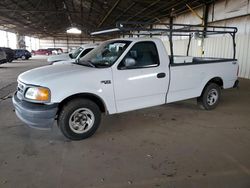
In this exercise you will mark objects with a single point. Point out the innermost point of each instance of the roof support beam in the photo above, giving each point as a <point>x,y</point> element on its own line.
<point>90,9</point>
<point>195,13</point>
<point>165,7</point>
<point>38,11</point>
<point>125,11</point>
<point>65,6</point>
<point>109,12</point>
<point>143,10</point>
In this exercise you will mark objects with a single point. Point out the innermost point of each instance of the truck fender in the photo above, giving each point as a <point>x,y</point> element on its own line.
<point>217,80</point>
<point>95,98</point>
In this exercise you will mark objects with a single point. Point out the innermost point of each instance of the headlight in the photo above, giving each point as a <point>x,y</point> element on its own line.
<point>38,94</point>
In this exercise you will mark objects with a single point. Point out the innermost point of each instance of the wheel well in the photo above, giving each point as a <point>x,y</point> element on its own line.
<point>216,80</point>
<point>89,96</point>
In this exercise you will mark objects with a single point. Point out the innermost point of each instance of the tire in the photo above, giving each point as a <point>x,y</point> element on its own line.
<point>210,97</point>
<point>79,119</point>
<point>23,57</point>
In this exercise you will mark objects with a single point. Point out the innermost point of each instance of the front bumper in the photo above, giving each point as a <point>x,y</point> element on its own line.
<point>35,115</point>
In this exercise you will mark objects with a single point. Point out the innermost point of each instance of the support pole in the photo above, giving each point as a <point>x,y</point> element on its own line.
<point>20,41</point>
<point>7,39</point>
<point>171,40</point>
<point>234,45</point>
<point>205,19</point>
<point>204,23</point>
<point>54,42</point>
<point>189,42</point>
<point>151,27</point>
<point>30,44</point>
<point>67,43</point>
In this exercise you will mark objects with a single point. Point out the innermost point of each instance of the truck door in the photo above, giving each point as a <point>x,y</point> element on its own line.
<point>140,79</point>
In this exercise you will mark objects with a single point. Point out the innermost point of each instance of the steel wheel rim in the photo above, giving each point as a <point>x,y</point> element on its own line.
<point>81,120</point>
<point>212,97</point>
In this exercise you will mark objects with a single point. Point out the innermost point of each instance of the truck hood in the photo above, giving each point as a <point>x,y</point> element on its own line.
<point>60,57</point>
<point>70,61</point>
<point>42,75</point>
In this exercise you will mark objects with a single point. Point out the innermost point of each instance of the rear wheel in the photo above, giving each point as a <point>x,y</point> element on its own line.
<point>210,97</point>
<point>79,119</point>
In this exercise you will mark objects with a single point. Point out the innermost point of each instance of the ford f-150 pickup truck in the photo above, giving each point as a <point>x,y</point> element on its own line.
<point>118,76</point>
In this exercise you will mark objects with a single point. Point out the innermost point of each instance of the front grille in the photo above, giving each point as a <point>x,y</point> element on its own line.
<point>20,87</point>
<point>20,90</point>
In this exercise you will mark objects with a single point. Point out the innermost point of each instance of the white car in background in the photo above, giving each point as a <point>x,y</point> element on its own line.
<point>71,57</point>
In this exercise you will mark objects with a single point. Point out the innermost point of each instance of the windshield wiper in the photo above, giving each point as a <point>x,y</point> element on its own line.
<point>102,65</point>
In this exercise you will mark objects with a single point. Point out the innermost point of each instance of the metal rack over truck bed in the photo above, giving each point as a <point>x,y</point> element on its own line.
<point>173,30</point>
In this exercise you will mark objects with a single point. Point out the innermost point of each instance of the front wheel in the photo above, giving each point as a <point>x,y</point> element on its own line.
<point>79,119</point>
<point>210,97</point>
<point>23,57</point>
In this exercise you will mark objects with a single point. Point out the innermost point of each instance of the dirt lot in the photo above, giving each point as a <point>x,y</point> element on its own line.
<point>175,145</point>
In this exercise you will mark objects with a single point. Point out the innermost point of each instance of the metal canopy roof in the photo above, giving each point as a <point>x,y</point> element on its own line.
<point>45,18</point>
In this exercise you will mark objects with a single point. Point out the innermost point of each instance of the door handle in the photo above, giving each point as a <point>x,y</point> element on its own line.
<point>161,75</point>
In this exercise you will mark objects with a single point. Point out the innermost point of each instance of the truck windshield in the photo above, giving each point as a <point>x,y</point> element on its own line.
<point>76,53</point>
<point>106,54</point>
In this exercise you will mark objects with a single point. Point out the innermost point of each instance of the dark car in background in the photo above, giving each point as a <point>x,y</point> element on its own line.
<point>41,52</point>
<point>22,53</point>
<point>2,56</point>
<point>10,54</point>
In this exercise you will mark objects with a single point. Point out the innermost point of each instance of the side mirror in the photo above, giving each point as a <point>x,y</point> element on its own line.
<point>129,62</point>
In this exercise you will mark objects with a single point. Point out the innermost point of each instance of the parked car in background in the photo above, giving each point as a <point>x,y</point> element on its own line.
<point>2,56</point>
<point>22,53</point>
<point>10,54</point>
<point>56,51</point>
<point>71,57</point>
<point>41,52</point>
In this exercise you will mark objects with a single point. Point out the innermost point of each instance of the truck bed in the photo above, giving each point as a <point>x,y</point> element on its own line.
<point>189,60</point>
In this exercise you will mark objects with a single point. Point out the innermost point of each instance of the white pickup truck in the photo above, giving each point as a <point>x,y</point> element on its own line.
<point>71,57</point>
<point>119,75</point>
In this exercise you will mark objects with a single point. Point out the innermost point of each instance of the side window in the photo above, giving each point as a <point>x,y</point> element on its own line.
<point>141,55</point>
<point>85,52</point>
